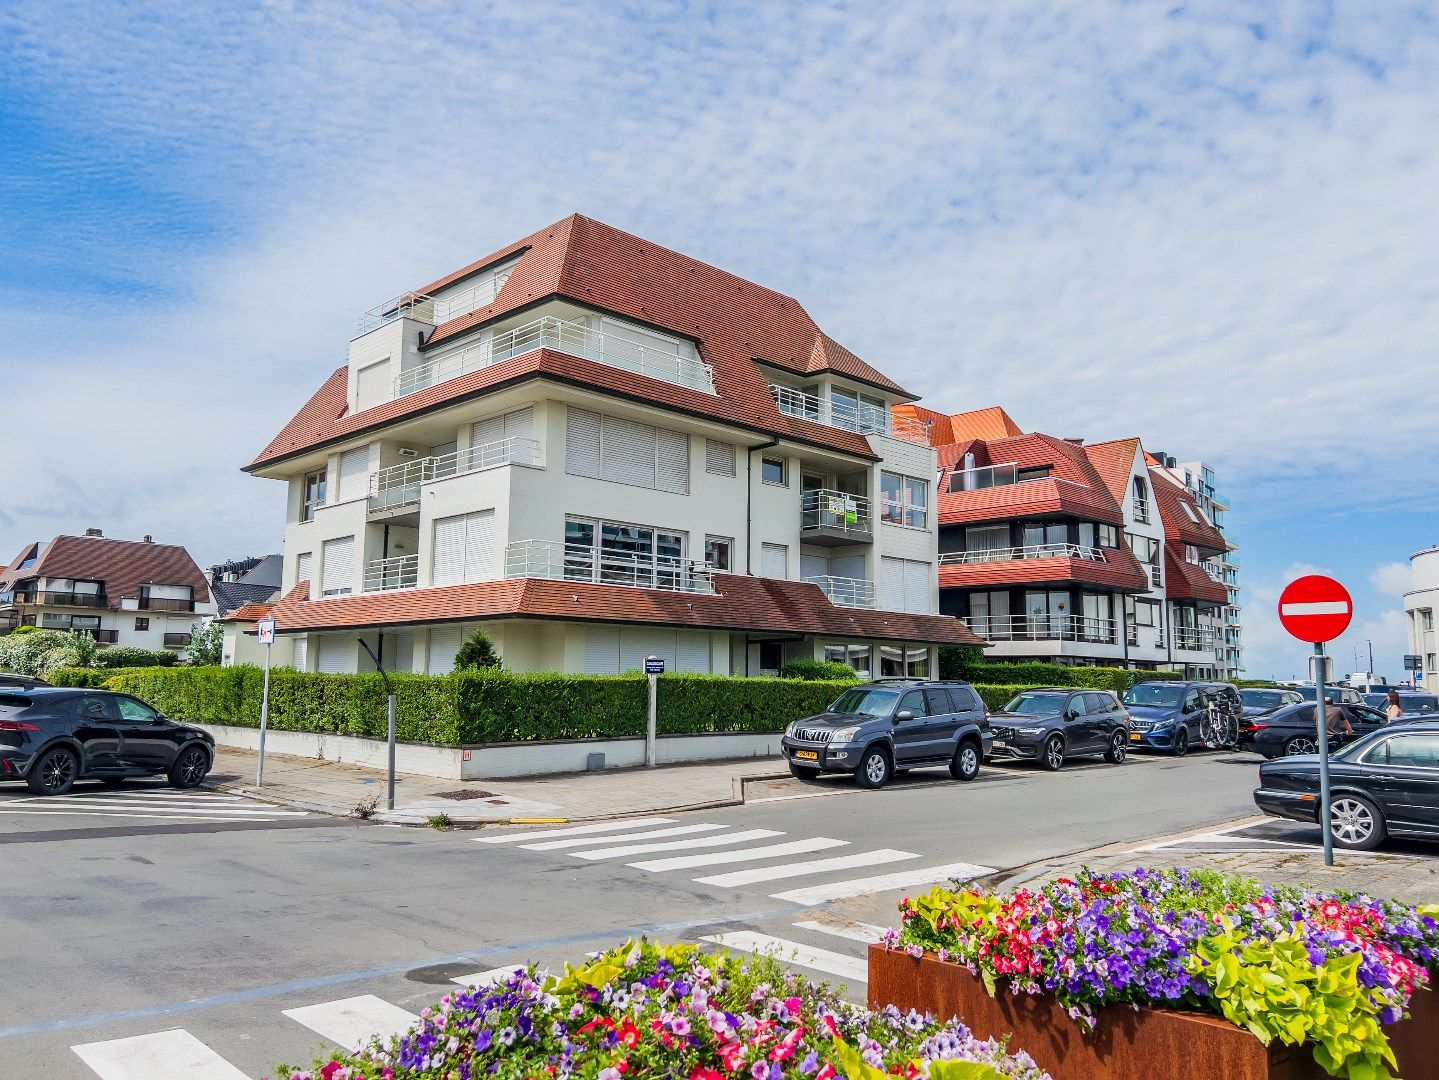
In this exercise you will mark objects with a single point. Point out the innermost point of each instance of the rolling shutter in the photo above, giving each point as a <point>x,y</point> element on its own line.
<point>673,470</point>
<point>337,654</point>
<point>694,653</point>
<point>719,457</point>
<point>628,452</point>
<point>480,546</point>
<point>773,560</point>
<point>582,443</point>
<point>444,644</point>
<point>520,425</point>
<point>300,652</point>
<point>916,587</point>
<point>891,584</point>
<point>404,658</point>
<point>602,651</point>
<point>372,386</point>
<point>354,474</point>
<point>850,566</point>
<point>488,431</point>
<point>449,555</point>
<point>303,570</point>
<point>337,570</point>
<point>635,645</point>
<point>812,566</point>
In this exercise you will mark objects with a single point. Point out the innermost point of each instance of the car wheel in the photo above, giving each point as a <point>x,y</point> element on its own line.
<point>189,767</point>
<point>54,772</point>
<point>874,768</point>
<point>1118,749</point>
<point>965,763</point>
<point>1356,823</point>
<point>1181,742</point>
<point>803,772</point>
<point>1053,756</point>
<point>1300,744</point>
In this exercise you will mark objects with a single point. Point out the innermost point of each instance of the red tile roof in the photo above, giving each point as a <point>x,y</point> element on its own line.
<point>940,431</point>
<point>1186,581</point>
<point>249,613</point>
<point>1072,487</point>
<point>123,565</point>
<point>1119,571</point>
<point>1189,528</point>
<point>990,423</point>
<point>1114,462</point>
<point>734,322</point>
<point>750,604</point>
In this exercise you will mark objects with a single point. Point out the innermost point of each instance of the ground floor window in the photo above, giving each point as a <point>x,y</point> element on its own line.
<point>858,657</point>
<point>897,661</point>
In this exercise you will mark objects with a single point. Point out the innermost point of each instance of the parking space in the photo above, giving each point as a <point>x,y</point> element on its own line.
<point>1276,835</point>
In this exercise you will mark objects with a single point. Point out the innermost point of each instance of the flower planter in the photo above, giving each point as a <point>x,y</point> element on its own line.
<point>1147,1044</point>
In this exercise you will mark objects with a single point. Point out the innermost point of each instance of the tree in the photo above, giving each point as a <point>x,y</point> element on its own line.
<point>207,643</point>
<point>477,652</point>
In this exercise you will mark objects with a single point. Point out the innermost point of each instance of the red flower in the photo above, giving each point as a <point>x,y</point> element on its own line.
<point>827,1073</point>
<point>701,1073</point>
<point>629,1035</point>
<point>833,1030</point>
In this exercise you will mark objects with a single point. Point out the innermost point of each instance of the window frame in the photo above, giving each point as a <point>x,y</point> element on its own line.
<point>908,513</point>
<point>783,463</point>
<point>727,542</point>
<point>309,505</point>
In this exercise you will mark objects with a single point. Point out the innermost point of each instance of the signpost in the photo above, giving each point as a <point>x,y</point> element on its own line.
<point>654,668</point>
<point>390,699</point>
<point>1318,609</point>
<point>265,631</point>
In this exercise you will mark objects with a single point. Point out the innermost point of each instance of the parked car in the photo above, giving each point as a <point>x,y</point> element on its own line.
<point>1257,700</point>
<point>1385,784</point>
<point>877,729</point>
<point>1052,725</point>
<point>9,681</point>
<point>1291,730</point>
<point>1167,715</point>
<point>1345,695</point>
<point>1419,706</point>
<point>52,737</point>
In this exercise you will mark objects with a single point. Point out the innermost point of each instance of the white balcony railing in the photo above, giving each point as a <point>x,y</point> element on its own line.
<point>824,508</point>
<point>863,419</point>
<point>554,560</point>
<point>1141,510</point>
<point>1193,638</point>
<point>1043,628</point>
<point>845,591</point>
<point>1029,551</point>
<point>408,305</point>
<point>399,485</point>
<point>574,338</point>
<point>481,294</point>
<point>401,572</point>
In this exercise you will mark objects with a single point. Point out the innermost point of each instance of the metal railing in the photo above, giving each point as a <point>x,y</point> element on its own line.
<point>1156,575</point>
<point>899,512</point>
<point>166,603</point>
<point>554,560</point>
<point>825,508</point>
<point>1193,638</point>
<point>410,305</point>
<point>845,591</point>
<point>399,485</point>
<point>577,339</point>
<point>177,641</point>
<point>1156,634</point>
<point>1028,551</point>
<point>1141,511</point>
<point>399,572</point>
<point>481,294</point>
<point>60,598</point>
<point>862,419</point>
<point>1043,628</point>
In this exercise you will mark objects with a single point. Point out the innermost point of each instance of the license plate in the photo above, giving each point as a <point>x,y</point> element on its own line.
<point>1001,744</point>
<point>1134,736</point>
<point>807,755</point>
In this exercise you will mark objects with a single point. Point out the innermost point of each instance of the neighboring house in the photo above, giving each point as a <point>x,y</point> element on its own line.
<point>121,592</point>
<point>1051,549</point>
<point>598,449</point>
<point>239,645</point>
<point>255,580</point>
<point>1420,603</point>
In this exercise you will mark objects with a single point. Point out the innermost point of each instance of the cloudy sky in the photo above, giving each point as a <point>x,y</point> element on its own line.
<point>1215,226</point>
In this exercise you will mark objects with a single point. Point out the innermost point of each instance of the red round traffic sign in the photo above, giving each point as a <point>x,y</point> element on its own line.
<point>1315,608</point>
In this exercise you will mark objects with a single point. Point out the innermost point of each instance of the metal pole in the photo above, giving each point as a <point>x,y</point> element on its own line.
<point>264,720</point>
<point>390,796</point>
<point>1322,726</point>
<point>650,726</point>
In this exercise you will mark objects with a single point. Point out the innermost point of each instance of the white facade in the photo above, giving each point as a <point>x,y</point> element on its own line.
<point>1421,603</point>
<point>161,621</point>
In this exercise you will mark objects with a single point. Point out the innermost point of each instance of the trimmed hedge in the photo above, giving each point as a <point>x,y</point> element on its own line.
<point>88,677</point>
<point>955,665</point>
<point>129,656</point>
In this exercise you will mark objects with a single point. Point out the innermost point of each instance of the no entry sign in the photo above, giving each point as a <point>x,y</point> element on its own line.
<point>1315,608</point>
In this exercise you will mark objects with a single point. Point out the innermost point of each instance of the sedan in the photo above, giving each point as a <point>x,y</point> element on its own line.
<point>9,681</point>
<point>1385,784</point>
<point>1050,726</point>
<point>1291,730</point>
<point>1257,700</point>
<point>51,738</point>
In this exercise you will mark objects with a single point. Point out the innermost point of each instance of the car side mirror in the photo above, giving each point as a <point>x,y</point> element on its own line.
<point>903,715</point>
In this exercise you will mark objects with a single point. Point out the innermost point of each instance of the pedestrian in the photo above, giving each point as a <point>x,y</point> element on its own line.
<point>1336,721</point>
<point>1394,709</point>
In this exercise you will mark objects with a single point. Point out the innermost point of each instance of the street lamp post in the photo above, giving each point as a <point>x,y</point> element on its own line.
<point>390,694</point>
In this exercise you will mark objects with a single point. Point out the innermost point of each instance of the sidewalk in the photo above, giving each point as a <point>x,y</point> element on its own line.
<point>329,787</point>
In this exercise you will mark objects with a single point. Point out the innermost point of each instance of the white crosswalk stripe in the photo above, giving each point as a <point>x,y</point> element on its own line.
<point>353,1022</point>
<point>904,879</point>
<point>626,850</point>
<point>721,858</point>
<point>165,1055</point>
<point>803,869</point>
<point>160,807</point>
<point>586,841</point>
<point>487,978</point>
<point>832,963</point>
<point>577,830</point>
<point>849,929</point>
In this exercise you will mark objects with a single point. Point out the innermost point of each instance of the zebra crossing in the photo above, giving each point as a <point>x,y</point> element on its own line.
<point>718,846</point>
<point>145,805</point>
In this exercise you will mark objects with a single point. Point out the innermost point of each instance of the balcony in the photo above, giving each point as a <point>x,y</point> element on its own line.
<point>829,518</point>
<point>576,339</point>
<point>166,603</point>
<point>844,591</point>
<point>862,419</point>
<point>1043,628</point>
<point>398,487</point>
<point>554,560</point>
<point>1193,638</point>
<point>177,641</point>
<point>408,305</point>
<point>400,572</point>
<point>1148,636</point>
<point>1031,551</point>
<point>1141,511</point>
<point>56,598</point>
<point>104,637</point>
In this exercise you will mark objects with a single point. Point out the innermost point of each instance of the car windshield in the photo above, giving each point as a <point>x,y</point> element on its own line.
<point>1379,701</point>
<point>865,701</point>
<point>1264,699</point>
<point>1161,694</point>
<point>1036,704</point>
<point>1426,704</point>
<point>1354,750</point>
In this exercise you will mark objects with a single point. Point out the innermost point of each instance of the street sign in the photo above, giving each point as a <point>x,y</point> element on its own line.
<point>1315,608</point>
<point>654,665</point>
<point>1412,663</point>
<point>265,631</point>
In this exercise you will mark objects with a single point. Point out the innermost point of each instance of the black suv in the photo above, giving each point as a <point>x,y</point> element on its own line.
<point>877,729</point>
<point>1049,725</point>
<point>1167,715</point>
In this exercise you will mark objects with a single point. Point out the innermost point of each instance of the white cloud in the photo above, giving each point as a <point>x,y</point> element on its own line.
<point>1392,578</point>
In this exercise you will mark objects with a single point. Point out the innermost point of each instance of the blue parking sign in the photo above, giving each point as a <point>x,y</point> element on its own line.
<point>654,665</point>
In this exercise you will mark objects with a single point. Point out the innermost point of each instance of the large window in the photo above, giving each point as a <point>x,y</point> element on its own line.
<point>718,551</point>
<point>1039,533</point>
<point>858,657</point>
<point>626,452</point>
<point>903,500</point>
<point>1108,536</point>
<point>854,411</point>
<point>619,553</point>
<point>986,538</point>
<point>313,496</point>
<point>1141,499</point>
<point>897,661</point>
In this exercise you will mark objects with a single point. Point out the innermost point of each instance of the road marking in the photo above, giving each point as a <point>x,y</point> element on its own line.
<point>578,830</point>
<point>173,1055</point>
<point>487,978</point>
<point>1316,607</point>
<point>803,869</point>
<point>353,1022</point>
<point>585,841</point>
<point>152,811</point>
<point>903,879</point>
<point>677,845</point>
<point>719,858</point>
<point>853,931</point>
<point>183,820</point>
<point>832,963</point>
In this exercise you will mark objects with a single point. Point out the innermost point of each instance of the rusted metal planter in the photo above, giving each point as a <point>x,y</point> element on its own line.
<point>1147,1044</point>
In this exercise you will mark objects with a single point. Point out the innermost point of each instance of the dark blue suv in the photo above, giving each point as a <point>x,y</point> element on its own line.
<point>1167,715</point>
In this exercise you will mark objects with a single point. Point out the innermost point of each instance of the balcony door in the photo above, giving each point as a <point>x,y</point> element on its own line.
<point>1098,612</point>
<point>989,615</point>
<point>1048,611</point>
<point>1040,534</point>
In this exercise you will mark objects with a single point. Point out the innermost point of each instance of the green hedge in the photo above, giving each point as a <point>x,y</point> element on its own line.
<point>87,677</point>
<point>954,664</point>
<point>129,656</point>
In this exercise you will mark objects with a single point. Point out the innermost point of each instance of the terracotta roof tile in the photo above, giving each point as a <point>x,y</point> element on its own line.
<point>1114,462</point>
<point>249,613</point>
<point>1189,528</point>
<point>123,565</point>
<point>1073,486</point>
<point>990,423</point>
<point>1119,571</point>
<point>1185,581</point>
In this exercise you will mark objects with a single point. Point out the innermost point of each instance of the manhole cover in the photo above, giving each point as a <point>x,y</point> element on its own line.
<point>441,974</point>
<point>465,794</point>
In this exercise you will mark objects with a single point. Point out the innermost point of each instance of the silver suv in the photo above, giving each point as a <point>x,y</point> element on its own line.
<point>877,729</point>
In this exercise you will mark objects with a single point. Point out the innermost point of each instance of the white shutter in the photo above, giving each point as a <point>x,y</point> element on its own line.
<point>354,473</point>
<point>300,652</point>
<point>850,566</point>
<point>303,570</point>
<point>635,645</point>
<point>338,654</point>
<point>479,546</point>
<point>628,452</point>
<point>694,652</point>
<point>404,658</point>
<point>812,566</point>
<point>520,425</point>
<point>673,472</point>
<point>916,587</point>
<point>488,431</point>
<point>602,651</point>
<point>582,442</point>
<point>773,560</point>
<point>444,644</point>
<point>337,568</point>
<point>719,457</point>
<point>448,564</point>
<point>891,584</point>
<point>372,386</point>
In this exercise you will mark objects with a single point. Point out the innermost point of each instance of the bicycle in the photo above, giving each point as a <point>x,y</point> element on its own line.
<point>1219,728</point>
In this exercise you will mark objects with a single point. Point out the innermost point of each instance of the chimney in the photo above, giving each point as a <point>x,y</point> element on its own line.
<point>147,539</point>
<point>1075,441</point>
<point>94,532</point>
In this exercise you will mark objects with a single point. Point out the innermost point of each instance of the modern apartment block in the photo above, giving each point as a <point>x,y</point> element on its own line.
<point>121,592</point>
<point>1420,603</point>
<point>597,450</point>
<point>1051,549</point>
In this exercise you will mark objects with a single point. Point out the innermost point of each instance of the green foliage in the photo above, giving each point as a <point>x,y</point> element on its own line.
<point>477,653</point>
<point>818,671</point>
<point>25,630</point>
<point>207,643</point>
<point>80,650</point>
<point>41,651</point>
<point>86,678</point>
<point>957,663</point>
<point>131,656</point>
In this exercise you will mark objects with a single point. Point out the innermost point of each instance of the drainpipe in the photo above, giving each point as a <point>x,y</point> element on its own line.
<point>749,512</point>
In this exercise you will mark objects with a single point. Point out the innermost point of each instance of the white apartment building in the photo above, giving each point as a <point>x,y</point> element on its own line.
<point>121,592</point>
<point>597,450</point>
<point>1420,604</point>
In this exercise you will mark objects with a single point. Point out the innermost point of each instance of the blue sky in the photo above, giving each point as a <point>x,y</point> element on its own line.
<point>1215,226</point>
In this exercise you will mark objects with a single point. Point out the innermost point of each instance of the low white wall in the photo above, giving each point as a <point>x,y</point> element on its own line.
<point>505,761</point>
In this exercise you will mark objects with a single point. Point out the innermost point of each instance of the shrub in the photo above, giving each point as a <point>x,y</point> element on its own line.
<point>818,670</point>
<point>476,653</point>
<point>996,695</point>
<point>24,630</point>
<point>128,656</point>
<point>955,666</point>
<point>38,652</point>
<point>207,643</point>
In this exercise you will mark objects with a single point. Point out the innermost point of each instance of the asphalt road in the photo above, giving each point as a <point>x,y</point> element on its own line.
<point>188,921</point>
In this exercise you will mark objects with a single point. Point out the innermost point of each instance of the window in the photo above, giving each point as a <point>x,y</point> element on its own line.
<point>896,661</point>
<point>1429,662</point>
<point>142,623</point>
<point>1426,618</point>
<point>313,496</point>
<point>1189,511</point>
<point>979,539</point>
<point>772,471</point>
<point>989,614</point>
<point>914,702</point>
<point>858,657</point>
<point>903,500</point>
<point>354,473</point>
<point>135,711</point>
<point>906,585</point>
<point>717,552</point>
<point>774,560</point>
<point>719,457</point>
<point>510,437</point>
<point>1039,534</point>
<point>337,566</point>
<point>1191,554</point>
<point>640,555</point>
<point>94,708</point>
<point>1039,472</point>
<point>464,548</point>
<point>625,452</point>
<point>1108,536</point>
<point>771,655</point>
<point>1414,751</point>
<point>1146,613</point>
<point>854,411</point>
<point>1141,499</point>
<point>302,567</point>
<point>1085,534</point>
